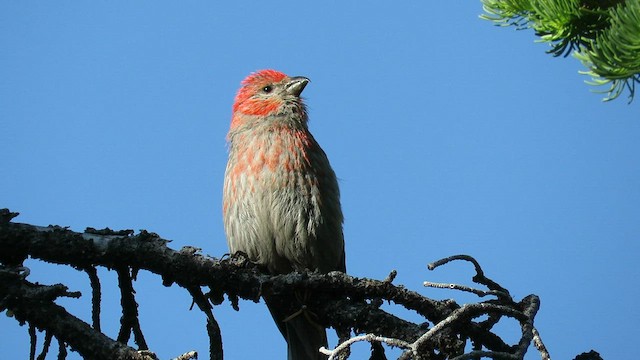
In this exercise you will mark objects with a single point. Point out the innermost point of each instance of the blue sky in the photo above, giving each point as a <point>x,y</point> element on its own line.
<point>449,135</point>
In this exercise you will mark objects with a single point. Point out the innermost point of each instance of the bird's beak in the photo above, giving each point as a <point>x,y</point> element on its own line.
<point>295,85</point>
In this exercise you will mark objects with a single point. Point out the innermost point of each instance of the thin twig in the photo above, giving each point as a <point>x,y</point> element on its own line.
<point>369,338</point>
<point>45,347</point>
<point>96,294</point>
<point>213,329</point>
<point>537,342</point>
<point>531,305</point>
<point>467,311</point>
<point>480,293</point>
<point>62,350</point>
<point>129,321</point>
<point>32,342</point>
<point>187,356</point>
<point>479,278</point>
<point>488,354</point>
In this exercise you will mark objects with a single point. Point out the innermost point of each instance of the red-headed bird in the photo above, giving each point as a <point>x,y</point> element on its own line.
<point>281,201</point>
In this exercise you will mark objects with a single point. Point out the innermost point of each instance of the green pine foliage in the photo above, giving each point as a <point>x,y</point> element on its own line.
<point>603,34</point>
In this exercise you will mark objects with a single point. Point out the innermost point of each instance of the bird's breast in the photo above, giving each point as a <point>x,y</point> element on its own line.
<point>271,158</point>
<point>270,165</point>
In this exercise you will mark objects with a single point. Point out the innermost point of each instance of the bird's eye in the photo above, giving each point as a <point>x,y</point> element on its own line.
<point>267,89</point>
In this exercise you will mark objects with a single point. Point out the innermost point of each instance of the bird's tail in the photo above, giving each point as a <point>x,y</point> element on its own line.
<point>304,336</point>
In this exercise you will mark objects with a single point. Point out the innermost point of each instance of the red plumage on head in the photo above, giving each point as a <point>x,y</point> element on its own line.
<point>263,76</point>
<point>245,102</point>
<point>250,86</point>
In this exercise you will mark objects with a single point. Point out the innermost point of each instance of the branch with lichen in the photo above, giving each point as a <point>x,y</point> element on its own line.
<point>503,305</point>
<point>348,304</point>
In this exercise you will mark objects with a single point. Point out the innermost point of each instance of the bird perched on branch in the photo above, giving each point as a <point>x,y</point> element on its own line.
<point>281,201</point>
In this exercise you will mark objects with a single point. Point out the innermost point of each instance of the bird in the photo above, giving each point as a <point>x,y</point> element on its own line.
<point>281,200</point>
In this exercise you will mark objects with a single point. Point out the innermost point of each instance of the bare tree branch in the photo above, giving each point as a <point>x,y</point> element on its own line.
<point>34,304</point>
<point>346,303</point>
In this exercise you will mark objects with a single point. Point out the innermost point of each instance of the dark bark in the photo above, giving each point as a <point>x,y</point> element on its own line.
<point>337,300</point>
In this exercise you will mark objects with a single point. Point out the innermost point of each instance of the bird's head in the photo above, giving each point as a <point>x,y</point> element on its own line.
<point>269,93</point>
